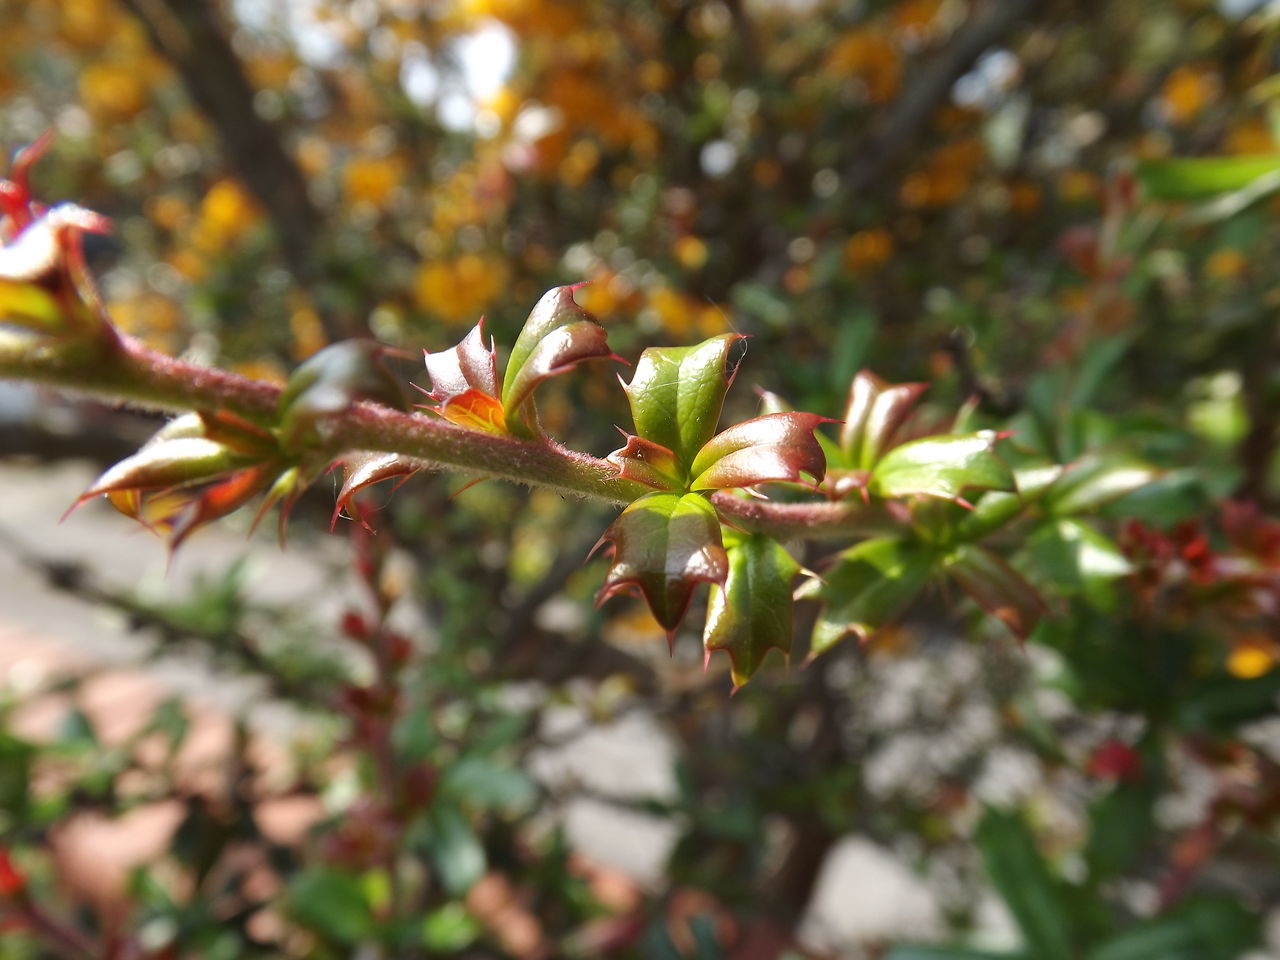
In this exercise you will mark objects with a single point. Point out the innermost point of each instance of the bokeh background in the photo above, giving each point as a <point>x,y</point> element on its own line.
<point>962,192</point>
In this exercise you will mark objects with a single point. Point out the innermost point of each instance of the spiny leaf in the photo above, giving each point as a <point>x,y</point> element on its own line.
<point>464,383</point>
<point>751,613</point>
<point>942,466</point>
<point>873,414</point>
<point>997,588</point>
<point>677,393</point>
<point>664,545</point>
<point>44,284</point>
<point>867,587</point>
<point>558,335</point>
<point>330,382</point>
<point>647,462</point>
<point>215,501</point>
<point>172,462</point>
<point>775,447</point>
<point>469,365</point>
<point>362,470</point>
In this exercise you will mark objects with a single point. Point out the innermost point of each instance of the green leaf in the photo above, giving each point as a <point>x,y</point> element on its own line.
<point>664,545</point>
<point>941,467</point>
<point>649,463</point>
<point>1196,178</point>
<point>16,760</point>
<point>1022,878</point>
<point>868,586</point>
<point>364,469</point>
<point>1121,825</point>
<point>450,928</point>
<point>332,902</point>
<point>1095,481</point>
<point>751,613</point>
<point>483,784</point>
<point>997,588</point>
<point>677,393</point>
<point>1079,559</point>
<point>329,382</point>
<point>874,412</point>
<point>169,463</point>
<point>1202,928</point>
<point>558,335</point>
<point>455,850</point>
<point>998,507</point>
<point>775,447</point>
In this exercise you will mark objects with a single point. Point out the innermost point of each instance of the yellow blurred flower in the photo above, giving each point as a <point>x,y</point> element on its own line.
<point>870,57</point>
<point>691,252</point>
<point>86,22</point>
<point>112,91</point>
<point>168,211</point>
<point>1226,264</point>
<point>1251,658</point>
<point>457,290</point>
<point>1188,90</point>
<point>371,180</point>
<point>1078,186</point>
<point>226,212</point>
<point>307,332</point>
<point>868,249</point>
<point>1251,136</point>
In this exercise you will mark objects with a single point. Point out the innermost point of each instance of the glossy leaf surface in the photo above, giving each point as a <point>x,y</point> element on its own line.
<point>649,463</point>
<point>868,586</point>
<point>775,447</point>
<point>558,335</point>
<point>751,613</point>
<point>677,393</point>
<point>941,467</point>
<point>363,470</point>
<point>874,412</point>
<point>664,545</point>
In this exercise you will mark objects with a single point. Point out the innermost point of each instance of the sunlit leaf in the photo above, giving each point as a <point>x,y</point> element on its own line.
<point>1196,178</point>
<point>558,335</point>
<point>943,466</point>
<point>464,383</point>
<point>874,412</point>
<point>1095,481</point>
<point>751,613</point>
<point>175,462</point>
<point>775,447</point>
<point>868,586</point>
<point>677,393</point>
<point>647,462</point>
<point>361,470</point>
<point>998,507</point>
<point>664,545</point>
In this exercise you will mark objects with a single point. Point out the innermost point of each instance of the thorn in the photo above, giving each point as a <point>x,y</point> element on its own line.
<point>464,488</point>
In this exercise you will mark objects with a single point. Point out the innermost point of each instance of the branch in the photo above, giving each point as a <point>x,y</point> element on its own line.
<point>124,370</point>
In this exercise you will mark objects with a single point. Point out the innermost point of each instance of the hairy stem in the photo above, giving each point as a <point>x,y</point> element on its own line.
<point>126,371</point>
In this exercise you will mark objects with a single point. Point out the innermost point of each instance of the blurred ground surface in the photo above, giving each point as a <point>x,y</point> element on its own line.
<point>866,892</point>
